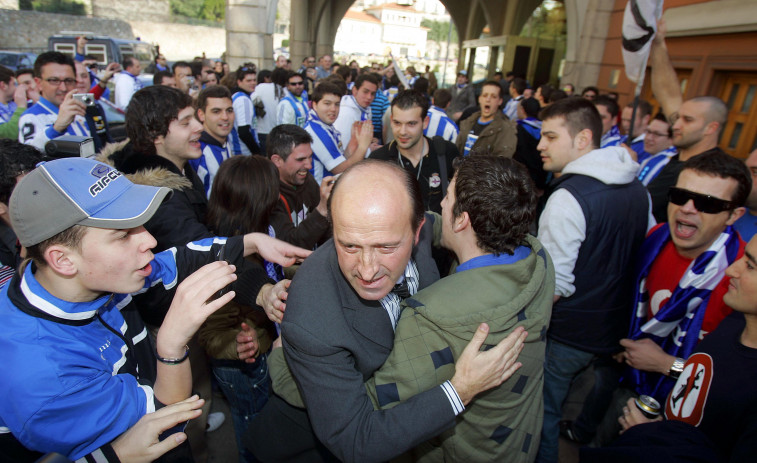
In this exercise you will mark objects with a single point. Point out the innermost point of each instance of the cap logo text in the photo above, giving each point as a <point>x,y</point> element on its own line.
<point>101,184</point>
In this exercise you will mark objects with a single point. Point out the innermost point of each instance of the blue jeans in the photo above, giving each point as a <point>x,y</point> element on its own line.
<point>562,364</point>
<point>246,387</point>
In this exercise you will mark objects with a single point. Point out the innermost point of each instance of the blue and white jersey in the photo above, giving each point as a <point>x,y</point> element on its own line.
<point>532,126</point>
<point>611,138</point>
<point>244,114</point>
<point>328,151</point>
<point>292,110</point>
<point>511,108</point>
<point>441,125</point>
<point>638,146</point>
<point>654,164</point>
<point>213,154</point>
<point>6,111</point>
<point>35,127</point>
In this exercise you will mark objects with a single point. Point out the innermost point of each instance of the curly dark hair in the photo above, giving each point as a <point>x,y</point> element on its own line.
<point>15,159</point>
<point>150,112</point>
<point>499,197</point>
<point>408,99</point>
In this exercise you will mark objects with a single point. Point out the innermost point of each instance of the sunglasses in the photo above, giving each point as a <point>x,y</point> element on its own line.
<point>703,203</point>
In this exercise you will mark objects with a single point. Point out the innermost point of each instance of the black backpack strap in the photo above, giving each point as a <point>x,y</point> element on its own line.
<point>440,146</point>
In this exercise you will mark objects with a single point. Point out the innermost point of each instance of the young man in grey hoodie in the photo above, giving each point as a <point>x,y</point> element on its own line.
<point>593,224</point>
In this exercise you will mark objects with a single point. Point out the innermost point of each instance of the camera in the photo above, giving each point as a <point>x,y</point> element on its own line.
<point>87,98</point>
<point>70,146</point>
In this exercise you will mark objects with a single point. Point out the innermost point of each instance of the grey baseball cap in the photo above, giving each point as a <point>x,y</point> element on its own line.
<point>59,194</point>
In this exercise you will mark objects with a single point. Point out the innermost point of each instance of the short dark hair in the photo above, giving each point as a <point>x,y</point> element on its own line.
<point>717,110</point>
<point>15,159</point>
<point>325,88</point>
<point>493,83</point>
<point>660,116</point>
<point>531,107</point>
<point>590,88</point>
<point>366,78</point>
<point>128,62</point>
<point>6,75</point>
<point>578,114</point>
<point>546,91</point>
<point>344,72</point>
<point>407,99</point>
<point>421,85</point>
<point>557,95</point>
<point>291,74</point>
<point>284,138</point>
<point>643,109</point>
<point>52,57</point>
<point>442,97</point>
<point>242,72</point>
<point>150,112</point>
<point>610,104</point>
<point>335,80</point>
<point>716,163</point>
<point>412,187</point>
<point>180,64</point>
<point>499,197</point>
<point>519,85</point>
<point>157,78</point>
<point>214,91</point>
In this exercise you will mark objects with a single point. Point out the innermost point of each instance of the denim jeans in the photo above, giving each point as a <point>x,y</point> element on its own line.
<point>246,387</point>
<point>562,364</point>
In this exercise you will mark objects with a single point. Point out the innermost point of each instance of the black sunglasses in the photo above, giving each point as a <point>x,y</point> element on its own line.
<point>703,203</point>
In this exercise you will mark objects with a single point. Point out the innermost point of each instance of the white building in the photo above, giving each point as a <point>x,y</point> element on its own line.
<point>359,34</point>
<point>382,29</point>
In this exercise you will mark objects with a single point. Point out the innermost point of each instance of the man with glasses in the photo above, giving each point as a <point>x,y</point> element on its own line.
<point>293,108</point>
<point>56,113</point>
<point>680,280</point>
<point>307,63</point>
<point>658,148</point>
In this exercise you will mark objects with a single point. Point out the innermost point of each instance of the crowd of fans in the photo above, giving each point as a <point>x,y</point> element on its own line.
<point>619,238</point>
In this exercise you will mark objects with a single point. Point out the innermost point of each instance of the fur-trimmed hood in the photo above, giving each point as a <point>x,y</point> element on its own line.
<point>143,169</point>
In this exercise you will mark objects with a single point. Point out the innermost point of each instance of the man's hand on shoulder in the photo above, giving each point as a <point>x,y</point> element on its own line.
<point>477,371</point>
<point>68,111</point>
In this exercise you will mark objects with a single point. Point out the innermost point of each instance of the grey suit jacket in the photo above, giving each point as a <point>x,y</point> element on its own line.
<point>333,342</point>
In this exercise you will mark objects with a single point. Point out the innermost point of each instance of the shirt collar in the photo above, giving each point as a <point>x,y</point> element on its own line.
<point>487,260</point>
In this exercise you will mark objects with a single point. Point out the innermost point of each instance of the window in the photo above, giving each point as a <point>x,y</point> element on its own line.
<point>739,136</point>
<point>67,48</point>
<point>98,51</point>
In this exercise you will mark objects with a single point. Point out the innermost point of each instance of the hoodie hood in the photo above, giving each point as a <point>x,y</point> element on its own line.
<point>144,169</point>
<point>612,166</point>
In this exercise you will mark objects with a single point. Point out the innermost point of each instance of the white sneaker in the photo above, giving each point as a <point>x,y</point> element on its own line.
<point>215,420</point>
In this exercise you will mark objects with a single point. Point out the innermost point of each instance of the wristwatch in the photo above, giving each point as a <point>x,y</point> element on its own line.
<point>676,369</point>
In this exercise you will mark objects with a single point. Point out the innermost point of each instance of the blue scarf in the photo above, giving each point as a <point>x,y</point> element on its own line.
<point>611,138</point>
<point>532,125</point>
<point>274,271</point>
<point>676,326</point>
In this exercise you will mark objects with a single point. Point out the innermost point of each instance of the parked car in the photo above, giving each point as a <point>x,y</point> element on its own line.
<point>104,49</point>
<point>15,60</point>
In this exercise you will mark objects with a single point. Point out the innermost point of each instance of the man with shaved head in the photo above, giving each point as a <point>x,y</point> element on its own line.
<point>338,329</point>
<point>697,122</point>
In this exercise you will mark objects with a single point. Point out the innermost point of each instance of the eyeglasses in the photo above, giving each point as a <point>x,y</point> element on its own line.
<point>703,203</point>
<point>54,81</point>
<point>297,83</point>
<point>656,134</point>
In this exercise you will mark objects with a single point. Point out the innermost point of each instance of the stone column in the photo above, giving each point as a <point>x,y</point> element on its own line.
<point>588,24</point>
<point>249,32</point>
<point>300,46</point>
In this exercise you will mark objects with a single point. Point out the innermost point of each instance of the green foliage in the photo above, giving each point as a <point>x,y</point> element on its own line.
<point>214,10</point>
<point>439,30</point>
<point>285,43</point>
<point>54,6</point>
